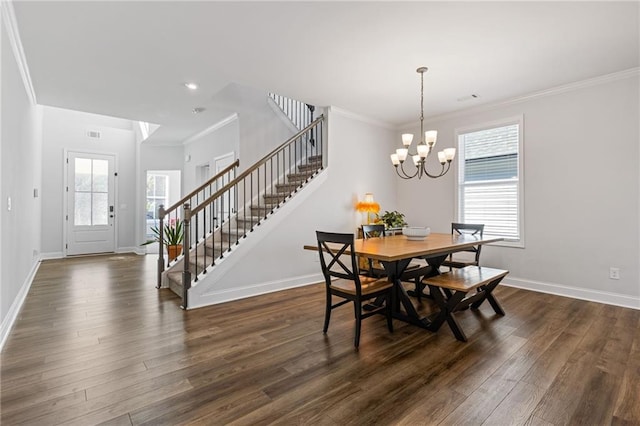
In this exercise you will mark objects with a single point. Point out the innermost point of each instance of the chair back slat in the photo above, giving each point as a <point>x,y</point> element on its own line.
<point>335,259</point>
<point>331,257</point>
<point>473,229</point>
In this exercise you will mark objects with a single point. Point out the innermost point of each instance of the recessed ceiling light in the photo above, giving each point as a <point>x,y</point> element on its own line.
<point>198,110</point>
<point>191,86</point>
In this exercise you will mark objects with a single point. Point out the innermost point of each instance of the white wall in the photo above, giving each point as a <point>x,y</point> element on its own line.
<point>20,171</point>
<point>260,129</point>
<point>274,256</point>
<point>66,129</point>
<point>581,186</point>
<point>206,148</point>
<point>160,158</point>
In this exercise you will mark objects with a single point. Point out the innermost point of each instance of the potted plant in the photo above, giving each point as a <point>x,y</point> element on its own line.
<point>392,219</point>
<point>171,237</point>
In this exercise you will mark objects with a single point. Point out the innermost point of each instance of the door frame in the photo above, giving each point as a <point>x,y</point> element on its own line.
<point>65,196</point>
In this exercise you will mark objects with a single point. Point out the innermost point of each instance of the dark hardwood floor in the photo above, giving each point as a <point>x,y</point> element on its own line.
<point>97,343</point>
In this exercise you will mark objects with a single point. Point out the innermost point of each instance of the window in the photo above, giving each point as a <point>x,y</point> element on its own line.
<point>91,198</point>
<point>157,193</point>
<point>490,179</point>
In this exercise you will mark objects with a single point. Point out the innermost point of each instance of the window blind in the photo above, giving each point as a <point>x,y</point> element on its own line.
<point>488,180</point>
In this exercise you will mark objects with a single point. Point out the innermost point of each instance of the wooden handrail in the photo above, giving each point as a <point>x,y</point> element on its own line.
<point>187,197</point>
<point>203,204</point>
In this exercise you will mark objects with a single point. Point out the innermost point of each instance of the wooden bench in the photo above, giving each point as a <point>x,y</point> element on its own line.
<point>450,292</point>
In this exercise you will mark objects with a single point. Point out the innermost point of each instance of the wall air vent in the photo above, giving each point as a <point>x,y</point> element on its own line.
<point>94,134</point>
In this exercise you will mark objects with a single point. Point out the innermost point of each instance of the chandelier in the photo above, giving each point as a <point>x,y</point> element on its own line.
<point>424,147</point>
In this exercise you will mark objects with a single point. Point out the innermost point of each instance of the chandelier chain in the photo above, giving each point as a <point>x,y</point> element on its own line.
<point>422,106</point>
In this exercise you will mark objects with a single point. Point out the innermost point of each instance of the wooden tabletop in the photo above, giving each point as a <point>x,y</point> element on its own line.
<point>397,247</point>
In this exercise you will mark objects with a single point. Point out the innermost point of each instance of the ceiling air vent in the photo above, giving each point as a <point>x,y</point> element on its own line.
<point>468,98</point>
<point>93,134</point>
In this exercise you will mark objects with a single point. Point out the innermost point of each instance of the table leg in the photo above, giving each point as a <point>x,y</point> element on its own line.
<point>401,298</point>
<point>431,270</point>
<point>393,270</point>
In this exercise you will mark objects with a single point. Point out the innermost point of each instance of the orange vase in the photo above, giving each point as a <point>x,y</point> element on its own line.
<point>174,251</point>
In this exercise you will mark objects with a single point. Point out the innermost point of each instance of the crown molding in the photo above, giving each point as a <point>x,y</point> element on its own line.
<point>9,19</point>
<point>582,84</point>
<point>211,129</point>
<point>364,119</point>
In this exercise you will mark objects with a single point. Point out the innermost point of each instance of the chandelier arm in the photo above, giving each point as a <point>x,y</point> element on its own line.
<point>442,171</point>
<point>403,177</point>
<point>406,175</point>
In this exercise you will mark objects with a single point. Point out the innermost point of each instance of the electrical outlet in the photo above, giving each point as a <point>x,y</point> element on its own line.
<point>614,273</point>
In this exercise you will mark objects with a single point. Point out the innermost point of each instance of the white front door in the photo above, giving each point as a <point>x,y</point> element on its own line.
<point>90,203</point>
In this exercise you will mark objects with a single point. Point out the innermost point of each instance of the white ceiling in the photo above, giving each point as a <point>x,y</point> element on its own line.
<point>129,59</point>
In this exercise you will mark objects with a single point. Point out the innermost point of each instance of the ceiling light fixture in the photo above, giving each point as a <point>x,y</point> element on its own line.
<point>427,142</point>
<point>198,110</point>
<point>191,86</point>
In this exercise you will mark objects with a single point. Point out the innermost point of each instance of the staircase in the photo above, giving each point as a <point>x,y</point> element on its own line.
<point>216,224</point>
<point>221,243</point>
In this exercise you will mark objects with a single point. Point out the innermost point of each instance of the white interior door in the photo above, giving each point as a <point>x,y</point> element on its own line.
<point>227,204</point>
<point>90,203</point>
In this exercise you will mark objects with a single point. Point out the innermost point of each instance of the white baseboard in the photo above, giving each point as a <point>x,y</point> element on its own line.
<point>52,255</point>
<point>228,295</point>
<point>137,250</point>
<point>60,255</point>
<point>14,310</point>
<point>575,292</point>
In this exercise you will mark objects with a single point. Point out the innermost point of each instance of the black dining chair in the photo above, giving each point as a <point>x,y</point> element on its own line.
<point>372,231</point>
<point>342,279</point>
<point>468,257</point>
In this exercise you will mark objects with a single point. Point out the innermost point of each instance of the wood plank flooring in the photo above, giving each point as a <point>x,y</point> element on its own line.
<point>96,343</point>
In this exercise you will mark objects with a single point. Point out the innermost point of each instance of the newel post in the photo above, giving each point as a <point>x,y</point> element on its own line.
<point>161,214</point>
<point>186,265</point>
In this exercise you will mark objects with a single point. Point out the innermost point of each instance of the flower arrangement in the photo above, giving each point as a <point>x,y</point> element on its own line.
<point>392,219</point>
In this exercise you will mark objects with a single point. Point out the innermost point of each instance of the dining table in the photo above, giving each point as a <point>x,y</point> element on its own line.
<point>396,252</point>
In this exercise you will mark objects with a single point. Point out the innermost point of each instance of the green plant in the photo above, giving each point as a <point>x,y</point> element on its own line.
<point>392,219</point>
<point>171,236</point>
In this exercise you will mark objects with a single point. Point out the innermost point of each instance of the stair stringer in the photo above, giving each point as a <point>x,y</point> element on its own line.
<point>207,291</point>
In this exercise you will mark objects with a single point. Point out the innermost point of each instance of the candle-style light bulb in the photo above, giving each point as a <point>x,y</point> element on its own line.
<point>402,154</point>
<point>449,153</point>
<point>423,150</point>
<point>430,137</point>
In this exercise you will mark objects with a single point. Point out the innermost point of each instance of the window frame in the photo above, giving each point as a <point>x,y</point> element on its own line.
<point>155,197</point>
<point>519,120</point>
